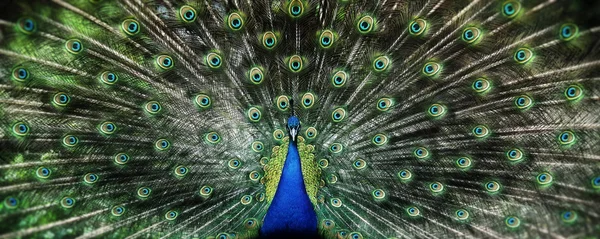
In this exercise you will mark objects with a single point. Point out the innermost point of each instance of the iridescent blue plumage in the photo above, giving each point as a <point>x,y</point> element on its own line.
<point>291,212</point>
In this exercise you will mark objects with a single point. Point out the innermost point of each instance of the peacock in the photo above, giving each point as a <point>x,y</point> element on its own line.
<point>227,119</point>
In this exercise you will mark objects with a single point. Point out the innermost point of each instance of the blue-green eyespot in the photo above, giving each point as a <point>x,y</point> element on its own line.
<point>165,62</point>
<point>130,27</point>
<point>187,13</point>
<point>417,27</point>
<point>20,128</point>
<point>365,24</point>
<point>523,55</point>
<point>74,46</point>
<point>568,32</point>
<point>471,34</point>
<point>20,74</point>
<point>511,8</point>
<point>235,21</point>
<point>27,25</point>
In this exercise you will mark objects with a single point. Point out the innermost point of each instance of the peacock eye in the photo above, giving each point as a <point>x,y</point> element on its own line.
<point>404,174</point>
<point>336,202</point>
<point>181,171</point>
<point>326,39</point>
<point>413,211</point>
<point>107,128</point>
<point>481,131</point>
<point>269,40</point>
<point>462,214</point>
<point>130,27</point>
<point>417,27</point>
<point>73,46</point>
<point>295,63</point>
<point>336,148</point>
<point>43,172</point>
<point>365,24</point>
<point>205,191</point>
<point>379,139</point>
<point>257,146</point>
<point>328,224</point>
<point>162,144</point>
<point>108,78</point>
<point>574,92</point>
<point>235,21</point>
<point>378,194</point>
<point>596,182</point>
<point>20,74</point>
<point>523,102</point>
<point>481,85</point>
<point>144,192</point>
<point>61,99</point>
<point>311,132</point>
<point>523,55</point>
<point>384,104</point>
<point>544,179</point>
<point>296,8</point>
<point>234,163</point>
<point>431,69</point>
<point>250,223</point>
<point>436,110</point>
<point>338,115</point>
<point>308,100</point>
<point>203,101</point>
<point>278,134</point>
<point>463,162</point>
<point>11,202</point>
<point>514,155</point>
<point>356,235</point>
<point>492,187</point>
<point>512,222</point>
<point>254,176</point>
<point>171,215</point>
<point>256,75</point>
<point>282,102</point>
<point>117,211</point>
<point>165,62</point>
<point>213,60</point>
<point>67,202</point>
<point>359,164</point>
<point>90,178</point>
<point>20,129</point>
<point>421,153</point>
<point>436,187</point>
<point>568,32</point>
<point>339,79</point>
<point>323,163</point>
<point>246,199</point>
<point>121,158</point>
<point>566,138</point>
<point>471,34</point>
<point>254,114</point>
<point>511,8</point>
<point>187,13</point>
<point>26,25</point>
<point>70,140</point>
<point>223,236</point>
<point>568,216</point>
<point>264,161</point>
<point>381,63</point>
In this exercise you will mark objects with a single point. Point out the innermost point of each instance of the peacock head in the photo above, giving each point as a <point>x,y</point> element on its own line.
<point>293,126</point>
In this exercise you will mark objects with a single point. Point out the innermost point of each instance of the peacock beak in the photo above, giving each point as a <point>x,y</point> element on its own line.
<point>293,132</point>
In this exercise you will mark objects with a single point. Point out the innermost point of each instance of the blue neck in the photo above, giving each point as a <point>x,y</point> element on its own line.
<point>291,212</point>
